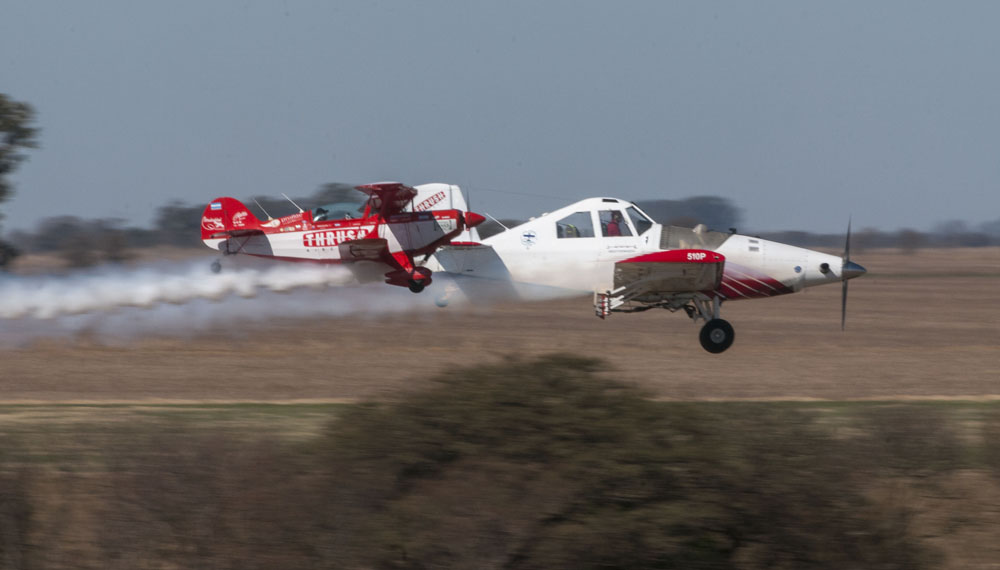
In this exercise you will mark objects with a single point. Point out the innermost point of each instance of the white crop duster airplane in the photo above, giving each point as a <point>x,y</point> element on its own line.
<point>610,248</point>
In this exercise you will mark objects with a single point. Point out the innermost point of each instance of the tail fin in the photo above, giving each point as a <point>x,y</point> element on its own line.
<point>226,216</point>
<point>438,196</point>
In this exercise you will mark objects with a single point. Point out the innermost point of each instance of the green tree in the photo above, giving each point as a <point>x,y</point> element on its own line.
<point>16,134</point>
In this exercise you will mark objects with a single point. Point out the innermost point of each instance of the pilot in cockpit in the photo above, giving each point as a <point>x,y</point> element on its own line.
<point>614,227</point>
<point>335,211</point>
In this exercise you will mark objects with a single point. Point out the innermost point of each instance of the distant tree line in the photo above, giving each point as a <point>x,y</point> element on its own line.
<point>906,240</point>
<point>85,242</point>
<point>721,214</point>
<point>714,212</point>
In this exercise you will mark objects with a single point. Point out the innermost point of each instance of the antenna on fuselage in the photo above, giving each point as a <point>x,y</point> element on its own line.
<point>293,202</point>
<point>497,221</point>
<point>262,209</point>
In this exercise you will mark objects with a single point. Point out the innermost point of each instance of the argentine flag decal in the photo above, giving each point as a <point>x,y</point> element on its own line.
<point>215,205</point>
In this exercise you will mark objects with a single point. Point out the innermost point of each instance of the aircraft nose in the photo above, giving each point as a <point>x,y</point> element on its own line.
<point>852,270</point>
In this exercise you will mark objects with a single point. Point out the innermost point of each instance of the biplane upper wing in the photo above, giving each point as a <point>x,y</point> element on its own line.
<point>670,272</point>
<point>388,198</point>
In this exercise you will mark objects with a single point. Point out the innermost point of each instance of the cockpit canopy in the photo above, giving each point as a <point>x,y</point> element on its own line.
<point>612,219</point>
<point>338,211</point>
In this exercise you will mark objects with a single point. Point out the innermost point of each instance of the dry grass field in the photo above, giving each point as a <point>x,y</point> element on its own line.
<point>920,326</point>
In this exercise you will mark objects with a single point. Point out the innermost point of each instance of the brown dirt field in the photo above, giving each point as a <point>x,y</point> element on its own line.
<point>919,326</point>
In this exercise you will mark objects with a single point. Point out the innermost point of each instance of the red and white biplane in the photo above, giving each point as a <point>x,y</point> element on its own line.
<point>612,249</point>
<point>388,230</point>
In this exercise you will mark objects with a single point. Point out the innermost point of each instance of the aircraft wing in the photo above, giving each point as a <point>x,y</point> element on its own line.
<point>476,270</point>
<point>669,272</point>
<point>471,259</point>
<point>388,197</point>
<point>373,249</point>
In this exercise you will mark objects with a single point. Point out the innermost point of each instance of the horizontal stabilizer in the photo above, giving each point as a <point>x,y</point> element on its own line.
<point>235,233</point>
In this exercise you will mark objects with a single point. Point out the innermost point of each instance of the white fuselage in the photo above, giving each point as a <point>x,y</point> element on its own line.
<point>545,252</point>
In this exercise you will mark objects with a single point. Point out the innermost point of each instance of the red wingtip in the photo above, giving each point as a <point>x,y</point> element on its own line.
<point>473,219</point>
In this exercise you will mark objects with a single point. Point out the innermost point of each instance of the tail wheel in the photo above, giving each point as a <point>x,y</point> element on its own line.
<point>717,335</point>
<point>216,266</point>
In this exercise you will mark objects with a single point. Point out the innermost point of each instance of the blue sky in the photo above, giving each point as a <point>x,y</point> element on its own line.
<point>801,113</point>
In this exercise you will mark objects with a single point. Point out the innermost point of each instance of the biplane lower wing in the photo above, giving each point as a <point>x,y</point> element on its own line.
<point>374,249</point>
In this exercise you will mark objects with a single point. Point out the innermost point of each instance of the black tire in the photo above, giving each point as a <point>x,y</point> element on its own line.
<point>216,266</point>
<point>416,286</point>
<point>716,336</point>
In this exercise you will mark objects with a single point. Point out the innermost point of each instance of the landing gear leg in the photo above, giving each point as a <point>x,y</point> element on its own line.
<point>717,335</point>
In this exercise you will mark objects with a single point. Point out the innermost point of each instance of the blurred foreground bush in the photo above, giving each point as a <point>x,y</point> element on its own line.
<point>545,464</point>
<point>532,464</point>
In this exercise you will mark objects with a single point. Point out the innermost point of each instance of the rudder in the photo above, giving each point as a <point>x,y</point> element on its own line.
<point>224,215</point>
<point>438,196</point>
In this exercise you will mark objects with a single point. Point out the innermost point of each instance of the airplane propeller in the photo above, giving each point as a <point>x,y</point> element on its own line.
<point>848,270</point>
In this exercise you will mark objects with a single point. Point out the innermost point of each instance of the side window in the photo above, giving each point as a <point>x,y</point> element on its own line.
<point>613,224</point>
<point>576,225</point>
<point>641,222</point>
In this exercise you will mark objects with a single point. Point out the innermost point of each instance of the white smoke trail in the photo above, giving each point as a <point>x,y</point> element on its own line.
<point>121,304</point>
<point>115,304</point>
<point>110,288</point>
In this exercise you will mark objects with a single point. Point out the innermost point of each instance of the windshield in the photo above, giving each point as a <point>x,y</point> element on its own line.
<point>674,237</point>
<point>338,211</point>
<point>639,220</point>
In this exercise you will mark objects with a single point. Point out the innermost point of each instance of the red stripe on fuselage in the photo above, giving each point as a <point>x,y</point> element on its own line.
<point>743,277</point>
<point>729,292</point>
<point>741,282</point>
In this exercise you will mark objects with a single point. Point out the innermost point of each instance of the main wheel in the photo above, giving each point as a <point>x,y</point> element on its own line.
<point>716,336</point>
<point>416,286</point>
